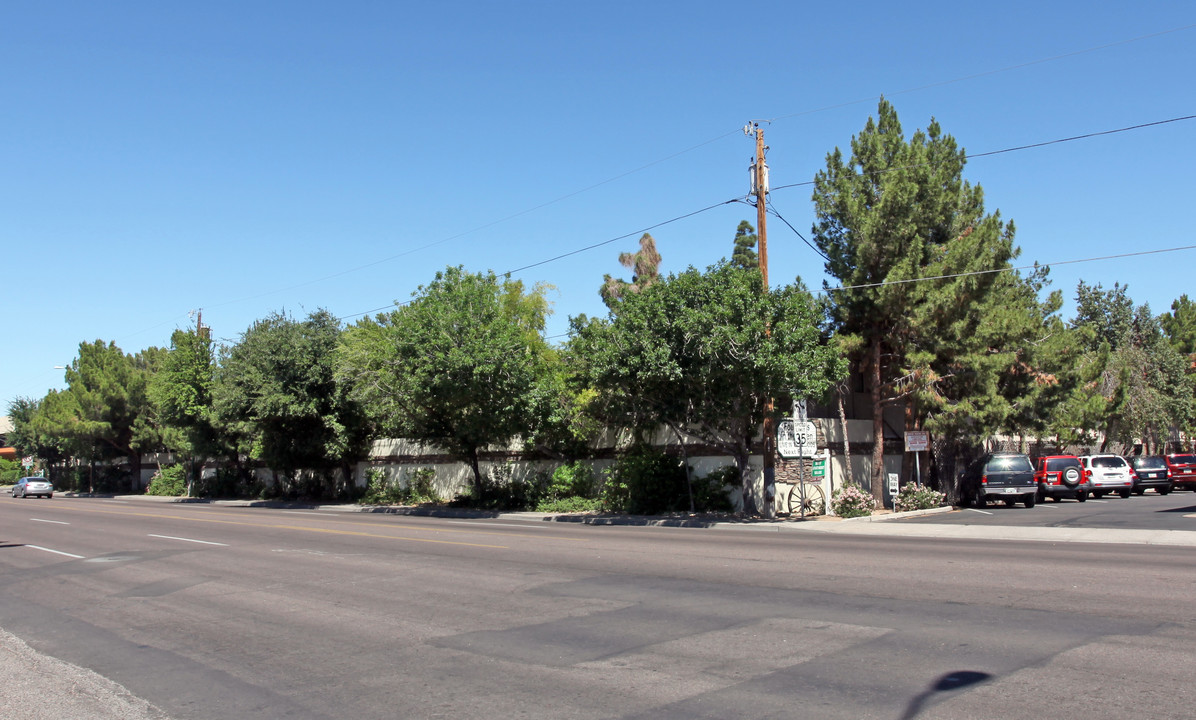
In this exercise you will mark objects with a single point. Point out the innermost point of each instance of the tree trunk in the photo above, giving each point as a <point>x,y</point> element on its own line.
<point>878,427</point>
<point>742,460</point>
<point>846,445</point>
<point>477,472</point>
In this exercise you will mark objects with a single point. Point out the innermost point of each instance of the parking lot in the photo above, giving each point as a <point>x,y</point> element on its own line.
<point>1176,511</point>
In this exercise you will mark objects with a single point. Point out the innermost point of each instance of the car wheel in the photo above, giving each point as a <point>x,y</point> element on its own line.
<point>1054,498</point>
<point>1081,496</point>
<point>1041,495</point>
<point>1098,495</point>
<point>1125,493</point>
<point>1029,501</point>
<point>980,500</point>
<point>1163,490</point>
<point>1138,491</point>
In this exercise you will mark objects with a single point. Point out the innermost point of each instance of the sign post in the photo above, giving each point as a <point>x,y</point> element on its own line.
<point>916,441</point>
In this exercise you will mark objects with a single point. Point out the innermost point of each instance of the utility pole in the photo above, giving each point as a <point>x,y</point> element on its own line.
<point>760,190</point>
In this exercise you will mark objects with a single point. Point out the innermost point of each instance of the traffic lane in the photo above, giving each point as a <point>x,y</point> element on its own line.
<point>306,636</point>
<point>1175,511</point>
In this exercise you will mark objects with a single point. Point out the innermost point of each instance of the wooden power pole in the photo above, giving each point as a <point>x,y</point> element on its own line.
<point>760,190</point>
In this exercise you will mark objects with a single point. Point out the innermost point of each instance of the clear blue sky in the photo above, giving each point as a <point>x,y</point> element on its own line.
<point>249,157</point>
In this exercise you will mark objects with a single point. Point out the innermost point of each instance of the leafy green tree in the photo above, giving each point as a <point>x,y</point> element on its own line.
<point>700,352</point>
<point>1133,385</point>
<point>927,306</point>
<point>1180,326</point>
<point>644,263</point>
<point>182,393</point>
<point>98,414</point>
<point>277,387</point>
<point>28,438</point>
<point>746,240</point>
<point>457,367</point>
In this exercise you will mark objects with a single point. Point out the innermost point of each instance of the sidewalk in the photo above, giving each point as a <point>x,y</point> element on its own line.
<point>886,523</point>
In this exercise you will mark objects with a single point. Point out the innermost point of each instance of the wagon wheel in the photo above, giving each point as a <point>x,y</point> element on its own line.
<point>814,502</point>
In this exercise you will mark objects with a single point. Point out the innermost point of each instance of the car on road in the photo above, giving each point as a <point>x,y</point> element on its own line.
<point>1150,471</point>
<point>1001,475</point>
<point>1107,474</point>
<point>35,486</point>
<point>1061,476</point>
<point>1183,470</point>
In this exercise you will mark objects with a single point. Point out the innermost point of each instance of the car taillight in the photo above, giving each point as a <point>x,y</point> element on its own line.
<point>983,479</point>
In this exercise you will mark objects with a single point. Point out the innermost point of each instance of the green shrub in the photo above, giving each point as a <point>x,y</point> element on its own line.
<point>380,490</point>
<point>170,481</point>
<point>10,471</point>
<point>710,492</point>
<point>572,504</point>
<point>570,488</point>
<point>645,482</point>
<point>918,498</point>
<point>501,491</point>
<point>850,501</point>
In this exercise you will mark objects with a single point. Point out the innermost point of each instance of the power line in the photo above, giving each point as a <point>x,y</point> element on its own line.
<point>1009,269</point>
<point>687,150</point>
<point>811,182</point>
<point>581,249</point>
<point>1019,147</point>
<point>811,245</point>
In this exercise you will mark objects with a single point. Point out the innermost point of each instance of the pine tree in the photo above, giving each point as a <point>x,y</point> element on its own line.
<point>927,306</point>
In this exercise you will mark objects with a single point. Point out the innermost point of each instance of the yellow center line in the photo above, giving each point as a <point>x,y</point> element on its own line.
<point>280,527</point>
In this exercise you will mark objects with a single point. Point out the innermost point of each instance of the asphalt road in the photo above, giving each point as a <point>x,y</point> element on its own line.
<point>204,611</point>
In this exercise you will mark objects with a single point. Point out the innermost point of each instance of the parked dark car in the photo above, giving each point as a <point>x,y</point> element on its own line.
<point>1005,476</point>
<point>1183,470</point>
<point>1061,476</point>
<point>35,486</point>
<point>1150,471</point>
<point>1108,473</point>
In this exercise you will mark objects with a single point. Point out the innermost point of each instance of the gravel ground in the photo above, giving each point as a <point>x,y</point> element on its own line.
<point>40,687</point>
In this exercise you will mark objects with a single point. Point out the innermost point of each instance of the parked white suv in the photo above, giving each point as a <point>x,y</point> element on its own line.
<point>1108,473</point>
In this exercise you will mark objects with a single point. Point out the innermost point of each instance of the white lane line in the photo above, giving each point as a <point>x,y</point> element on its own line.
<point>56,552</point>
<point>203,542</point>
<point>477,523</point>
<point>982,512</point>
<point>56,522</point>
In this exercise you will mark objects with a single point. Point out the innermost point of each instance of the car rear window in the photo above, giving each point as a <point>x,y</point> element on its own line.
<point>1062,463</point>
<point>1010,463</point>
<point>1108,462</point>
<point>1149,463</point>
<point>1183,459</point>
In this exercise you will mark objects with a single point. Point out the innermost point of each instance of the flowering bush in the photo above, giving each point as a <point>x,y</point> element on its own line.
<point>918,498</point>
<point>851,501</point>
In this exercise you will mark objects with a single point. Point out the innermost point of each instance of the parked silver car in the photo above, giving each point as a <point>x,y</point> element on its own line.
<point>1108,474</point>
<point>35,486</point>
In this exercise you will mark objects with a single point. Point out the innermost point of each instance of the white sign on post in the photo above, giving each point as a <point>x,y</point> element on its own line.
<point>894,481</point>
<point>796,440</point>
<point>917,440</point>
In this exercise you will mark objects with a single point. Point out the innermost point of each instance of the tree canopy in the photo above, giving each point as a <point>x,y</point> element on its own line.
<point>700,352</point>
<point>457,366</point>
<point>927,304</point>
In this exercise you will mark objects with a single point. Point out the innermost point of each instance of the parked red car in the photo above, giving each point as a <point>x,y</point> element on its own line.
<point>1061,476</point>
<point>1183,470</point>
